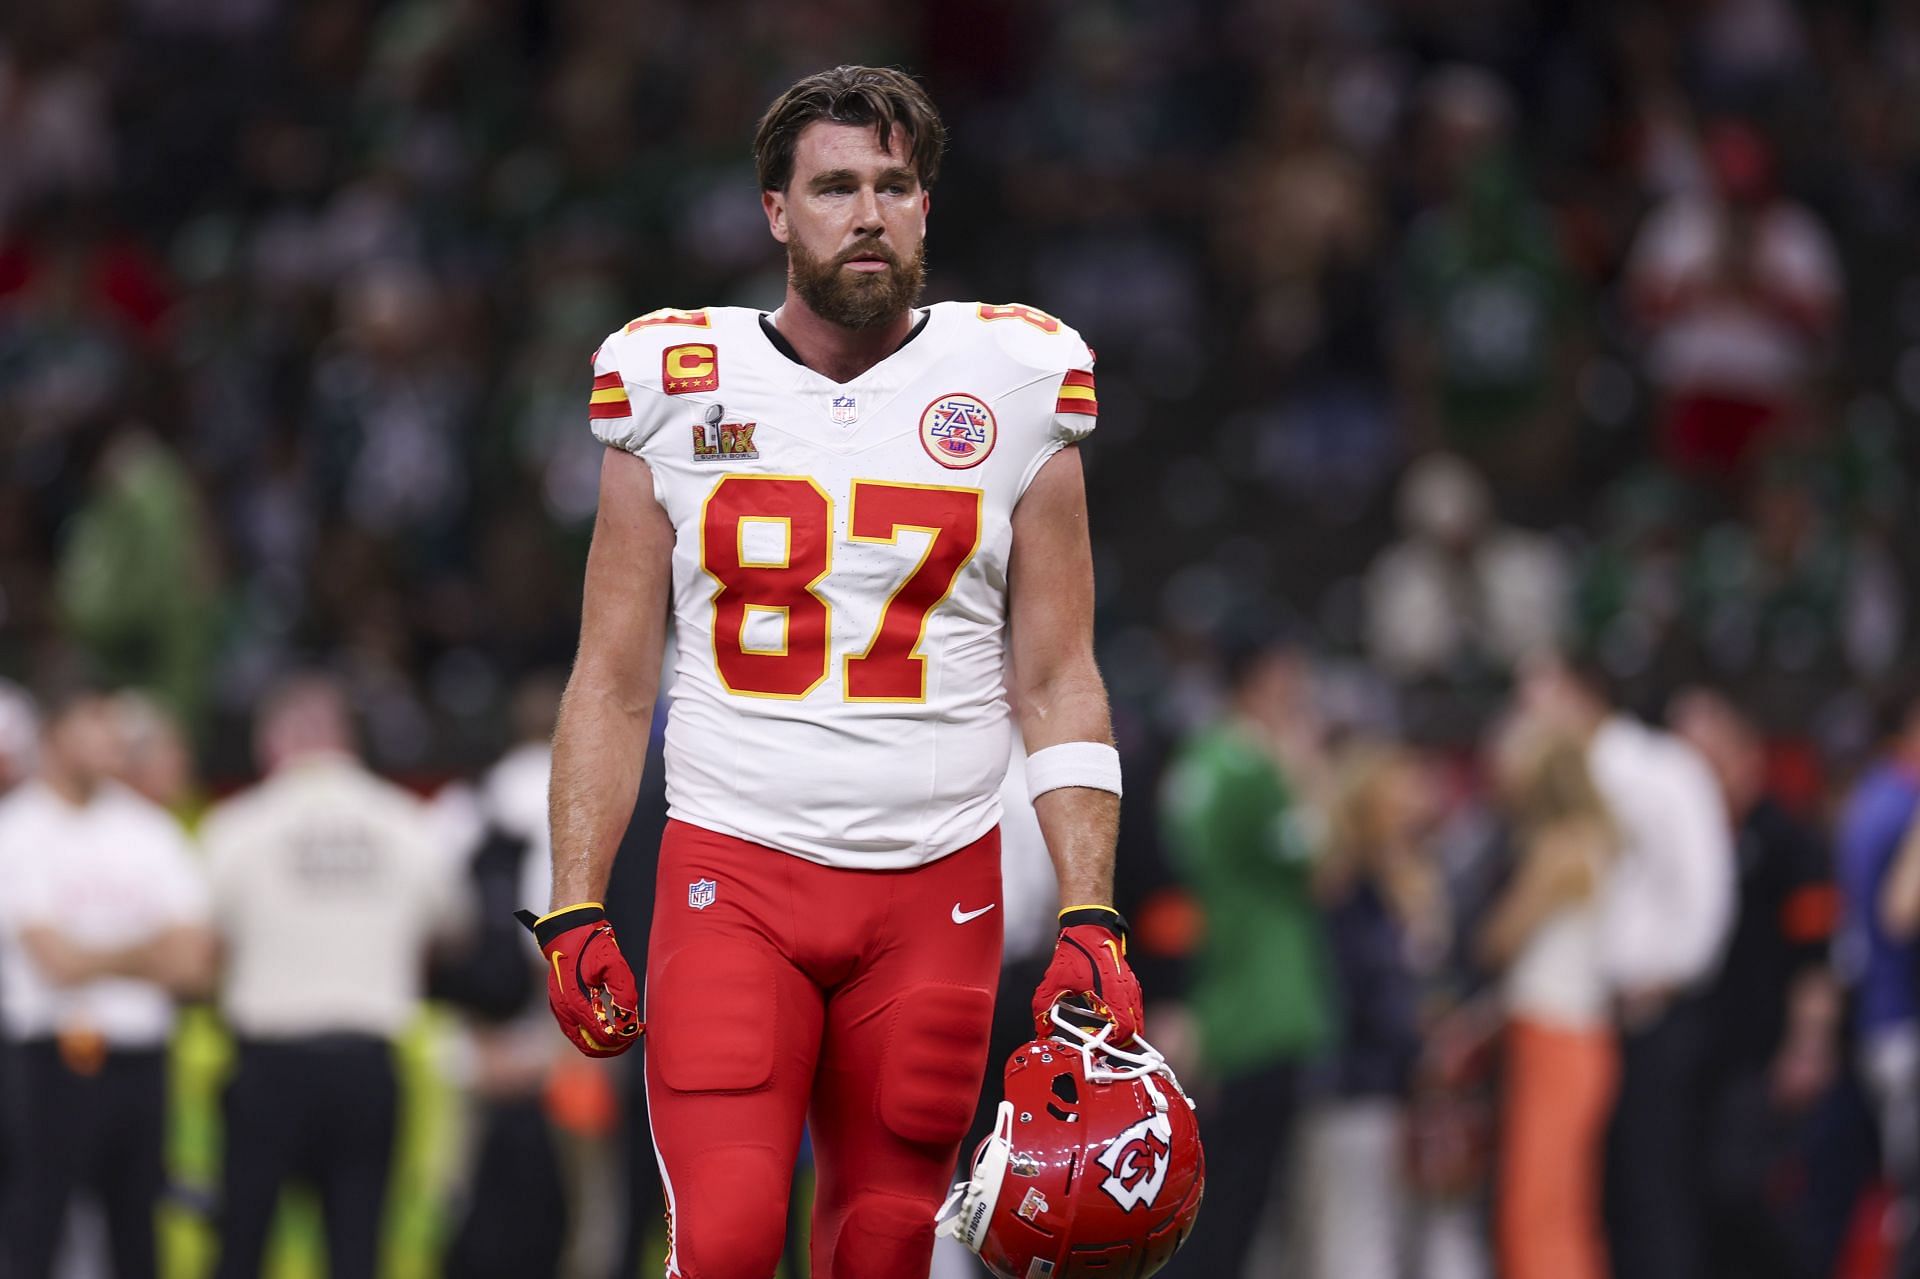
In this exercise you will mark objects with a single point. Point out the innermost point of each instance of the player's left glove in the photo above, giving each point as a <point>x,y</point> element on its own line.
<point>589,984</point>
<point>1090,965</point>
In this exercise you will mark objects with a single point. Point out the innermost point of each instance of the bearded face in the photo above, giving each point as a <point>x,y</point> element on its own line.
<point>862,287</point>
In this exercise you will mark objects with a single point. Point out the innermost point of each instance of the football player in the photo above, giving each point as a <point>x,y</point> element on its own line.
<point>865,521</point>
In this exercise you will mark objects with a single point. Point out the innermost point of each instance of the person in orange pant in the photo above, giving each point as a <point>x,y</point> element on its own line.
<point>1562,1063</point>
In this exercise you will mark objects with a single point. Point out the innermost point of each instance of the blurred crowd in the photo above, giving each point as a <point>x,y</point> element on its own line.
<point>1504,541</point>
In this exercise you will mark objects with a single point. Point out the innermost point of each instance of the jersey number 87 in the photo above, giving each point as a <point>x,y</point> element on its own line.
<point>890,670</point>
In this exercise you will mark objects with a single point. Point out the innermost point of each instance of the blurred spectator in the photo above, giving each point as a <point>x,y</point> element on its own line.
<point>1877,963</point>
<point>1389,928</point>
<point>1460,593</point>
<point>540,1197</point>
<point>1562,1067</point>
<point>55,131</point>
<point>1664,918</point>
<point>1737,289</point>
<point>1485,348</point>
<point>156,760</point>
<point>102,925</point>
<point>19,735</point>
<point>1243,828</point>
<point>389,403</point>
<point>1772,593</point>
<point>137,579</point>
<point>512,1213</point>
<point>1300,238</point>
<point>328,889</point>
<point>19,749</point>
<point>1773,1009</point>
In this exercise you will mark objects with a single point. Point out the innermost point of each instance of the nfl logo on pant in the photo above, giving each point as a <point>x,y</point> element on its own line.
<point>700,893</point>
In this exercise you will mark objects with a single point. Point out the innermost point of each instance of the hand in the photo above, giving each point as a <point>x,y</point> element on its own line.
<point>589,985</point>
<point>1090,964</point>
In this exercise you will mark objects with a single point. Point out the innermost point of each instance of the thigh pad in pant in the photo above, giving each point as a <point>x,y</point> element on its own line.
<point>713,1016</point>
<point>934,1060</point>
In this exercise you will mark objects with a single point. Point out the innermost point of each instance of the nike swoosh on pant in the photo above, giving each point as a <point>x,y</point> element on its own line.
<point>961,917</point>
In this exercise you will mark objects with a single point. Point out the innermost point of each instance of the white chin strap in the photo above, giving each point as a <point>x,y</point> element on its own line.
<point>1138,1062</point>
<point>969,1206</point>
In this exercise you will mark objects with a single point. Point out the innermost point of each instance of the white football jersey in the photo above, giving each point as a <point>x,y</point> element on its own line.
<point>840,566</point>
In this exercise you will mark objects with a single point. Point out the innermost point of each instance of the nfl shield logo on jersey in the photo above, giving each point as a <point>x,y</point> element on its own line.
<point>700,893</point>
<point>845,410</point>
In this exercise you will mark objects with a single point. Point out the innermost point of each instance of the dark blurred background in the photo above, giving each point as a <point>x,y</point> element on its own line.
<point>1431,336</point>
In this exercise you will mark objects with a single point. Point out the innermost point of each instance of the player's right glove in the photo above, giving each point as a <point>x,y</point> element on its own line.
<point>589,985</point>
<point>1090,968</point>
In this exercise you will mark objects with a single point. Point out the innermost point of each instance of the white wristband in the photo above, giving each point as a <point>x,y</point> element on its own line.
<point>1094,765</point>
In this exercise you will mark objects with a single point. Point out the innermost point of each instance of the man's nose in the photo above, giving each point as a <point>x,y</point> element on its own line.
<point>866,213</point>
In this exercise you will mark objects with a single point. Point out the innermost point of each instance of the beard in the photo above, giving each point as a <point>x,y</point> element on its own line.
<point>857,299</point>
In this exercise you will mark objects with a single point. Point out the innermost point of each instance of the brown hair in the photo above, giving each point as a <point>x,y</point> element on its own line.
<point>879,96</point>
<point>1545,780</point>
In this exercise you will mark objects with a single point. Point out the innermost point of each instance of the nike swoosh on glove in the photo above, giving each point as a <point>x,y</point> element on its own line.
<point>1090,964</point>
<point>589,985</point>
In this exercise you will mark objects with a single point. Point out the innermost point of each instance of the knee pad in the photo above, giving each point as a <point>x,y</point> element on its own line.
<point>729,1217</point>
<point>883,1236</point>
<point>935,1057</point>
<point>712,1017</point>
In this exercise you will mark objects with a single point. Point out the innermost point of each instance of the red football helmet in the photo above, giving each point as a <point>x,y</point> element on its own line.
<point>1094,1167</point>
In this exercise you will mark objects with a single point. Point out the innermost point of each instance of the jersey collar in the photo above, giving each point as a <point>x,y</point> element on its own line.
<point>780,343</point>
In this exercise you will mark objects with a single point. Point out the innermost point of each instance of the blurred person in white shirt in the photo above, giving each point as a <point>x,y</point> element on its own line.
<point>1665,915</point>
<point>1737,290</point>
<point>329,888</point>
<point>156,760</point>
<point>19,735</point>
<point>513,1214</point>
<point>102,925</point>
<point>1460,591</point>
<point>19,747</point>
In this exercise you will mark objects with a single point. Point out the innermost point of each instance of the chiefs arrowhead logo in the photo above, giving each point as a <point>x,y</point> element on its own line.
<point>1136,1162</point>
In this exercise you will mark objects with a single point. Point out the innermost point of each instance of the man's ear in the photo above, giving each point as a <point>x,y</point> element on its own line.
<point>775,204</point>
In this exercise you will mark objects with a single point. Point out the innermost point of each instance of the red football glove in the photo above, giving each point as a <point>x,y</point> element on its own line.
<point>589,985</point>
<point>1090,965</point>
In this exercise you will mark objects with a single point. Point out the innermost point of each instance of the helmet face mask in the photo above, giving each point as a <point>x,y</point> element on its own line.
<point>1094,1164</point>
<point>979,1195</point>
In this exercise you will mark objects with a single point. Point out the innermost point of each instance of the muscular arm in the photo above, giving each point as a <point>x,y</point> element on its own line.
<point>600,741</point>
<point>1054,685</point>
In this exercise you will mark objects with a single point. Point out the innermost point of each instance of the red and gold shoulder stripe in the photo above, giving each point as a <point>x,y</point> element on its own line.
<point>609,398</point>
<point>1076,395</point>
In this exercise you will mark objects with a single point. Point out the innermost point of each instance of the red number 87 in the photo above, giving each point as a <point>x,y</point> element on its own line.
<point>891,669</point>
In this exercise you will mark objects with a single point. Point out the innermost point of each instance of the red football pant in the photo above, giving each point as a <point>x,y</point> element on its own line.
<point>850,1001</point>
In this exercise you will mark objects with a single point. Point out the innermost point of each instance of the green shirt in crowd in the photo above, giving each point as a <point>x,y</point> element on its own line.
<point>1259,990</point>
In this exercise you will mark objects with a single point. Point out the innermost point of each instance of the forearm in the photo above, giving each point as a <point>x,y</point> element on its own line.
<point>599,750</point>
<point>180,958</point>
<point>1081,824</point>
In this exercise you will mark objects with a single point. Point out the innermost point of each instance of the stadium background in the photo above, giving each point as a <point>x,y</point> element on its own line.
<point>296,300</point>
